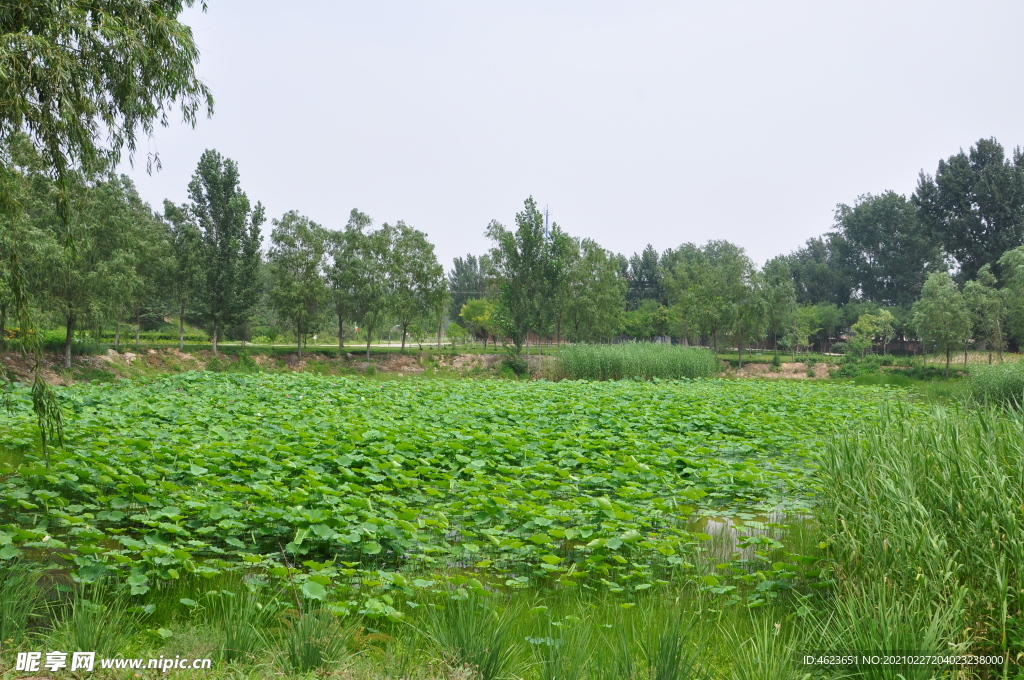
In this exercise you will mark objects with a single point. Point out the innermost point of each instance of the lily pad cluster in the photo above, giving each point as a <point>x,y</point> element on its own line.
<point>351,488</point>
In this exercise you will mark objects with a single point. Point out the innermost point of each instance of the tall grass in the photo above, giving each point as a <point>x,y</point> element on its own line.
<point>932,508</point>
<point>635,360</point>
<point>20,600</point>
<point>1000,383</point>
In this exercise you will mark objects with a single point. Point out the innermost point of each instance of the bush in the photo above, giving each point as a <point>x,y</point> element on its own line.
<point>516,365</point>
<point>636,360</point>
<point>1001,383</point>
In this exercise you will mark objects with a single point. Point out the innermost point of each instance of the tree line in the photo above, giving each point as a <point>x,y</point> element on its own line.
<point>944,266</point>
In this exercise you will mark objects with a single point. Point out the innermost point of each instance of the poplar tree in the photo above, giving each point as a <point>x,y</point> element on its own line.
<point>229,243</point>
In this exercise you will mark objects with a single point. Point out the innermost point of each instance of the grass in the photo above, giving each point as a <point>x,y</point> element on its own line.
<point>635,361</point>
<point>999,383</point>
<point>931,508</point>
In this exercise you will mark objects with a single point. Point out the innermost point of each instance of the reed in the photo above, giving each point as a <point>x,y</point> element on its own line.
<point>635,360</point>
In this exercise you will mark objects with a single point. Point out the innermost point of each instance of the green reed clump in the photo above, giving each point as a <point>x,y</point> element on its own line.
<point>635,360</point>
<point>932,507</point>
<point>1001,383</point>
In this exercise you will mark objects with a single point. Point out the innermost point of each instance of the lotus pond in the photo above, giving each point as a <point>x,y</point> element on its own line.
<point>359,492</point>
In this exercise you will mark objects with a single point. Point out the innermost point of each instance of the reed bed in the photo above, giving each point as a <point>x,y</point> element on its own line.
<point>930,510</point>
<point>636,360</point>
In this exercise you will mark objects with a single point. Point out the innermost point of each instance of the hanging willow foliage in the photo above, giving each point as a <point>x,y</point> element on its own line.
<point>74,75</point>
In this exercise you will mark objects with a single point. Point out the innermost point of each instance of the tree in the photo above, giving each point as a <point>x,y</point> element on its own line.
<point>820,271</point>
<point>75,74</point>
<point>296,261</point>
<point>343,271</point>
<point>371,299</point>
<point>941,316</point>
<point>804,328</point>
<point>1012,266</point>
<point>828,319</point>
<point>468,280</point>
<point>779,298</point>
<point>230,243</point>
<point>596,295</point>
<point>749,313</point>
<point>98,264</point>
<point>709,286</point>
<point>184,275</point>
<point>987,306</point>
<point>561,254</point>
<point>975,205</point>
<point>479,316</point>
<point>866,329</point>
<point>413,274</point>
<point>519,263</point>
<point>73,70</point>
<point>645,277</point>
<point>888,250</point>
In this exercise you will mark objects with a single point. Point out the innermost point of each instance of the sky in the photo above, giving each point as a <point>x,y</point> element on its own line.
<point>634,122</point>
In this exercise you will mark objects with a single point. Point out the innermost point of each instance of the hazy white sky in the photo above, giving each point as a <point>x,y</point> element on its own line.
<point>636,122</point>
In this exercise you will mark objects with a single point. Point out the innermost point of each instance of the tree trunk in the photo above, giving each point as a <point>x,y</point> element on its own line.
<point>440,320</point>
<point>298,338</point>
<point>999,339</point>
<point>181,328</point>
<point>341,335</point>
<point>739,348</point>
<point>367,344</point>
<point>3,327</point>
<point>214,336</point>
<point>67,340</point>
<point>948,358</point>
<point>404,327</point>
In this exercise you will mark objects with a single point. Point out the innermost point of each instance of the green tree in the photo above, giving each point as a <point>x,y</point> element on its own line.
<point>828,318</point>
<point>77,75</point>
<point>988,308</point>
<point>185,274</point>
<point>749,314</point>
<point>371,302</point>
<point>561,255</point>
<point>594,310</point>
<point>413,275</point>
<point>709,287</point>
<point>98,264</point>
<point>821,272</point>
<point>645,277</point>
<point>888,249</point>
<point>296,261</point>
<point>470,278</point>
<point>344,267</point>
<point>941,316</point>
<point>519,260</point>
<point>975,205</point>
<point>479,317</point>
<point>779,298</point>
<point>1012,266</point>
<point>230,243</point>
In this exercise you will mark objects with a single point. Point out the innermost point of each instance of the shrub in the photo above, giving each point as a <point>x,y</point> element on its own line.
<point>636,360</point>
<point>515,364</point>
